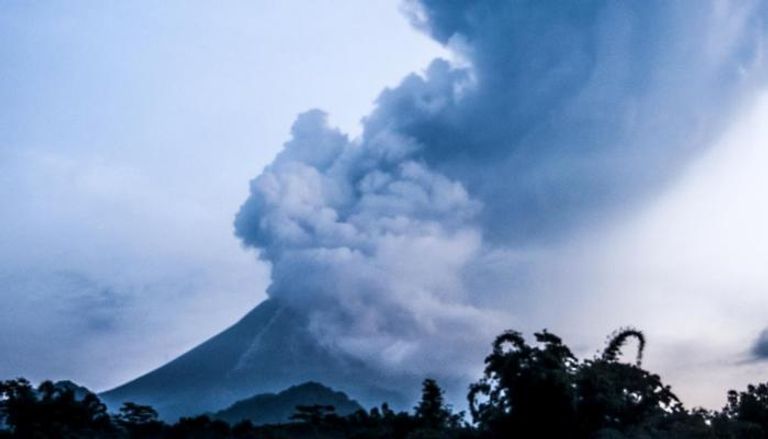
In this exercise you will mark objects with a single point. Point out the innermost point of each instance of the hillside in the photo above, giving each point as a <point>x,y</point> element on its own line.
<point>268,350</point>
<point>271,408</point>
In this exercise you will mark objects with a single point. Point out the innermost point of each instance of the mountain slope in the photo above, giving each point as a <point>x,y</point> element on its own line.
<point>267,350</point>
<point>271,408</point>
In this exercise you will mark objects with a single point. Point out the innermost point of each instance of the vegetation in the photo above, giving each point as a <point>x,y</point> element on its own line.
<point>527,391</point>
<point>271,408</point>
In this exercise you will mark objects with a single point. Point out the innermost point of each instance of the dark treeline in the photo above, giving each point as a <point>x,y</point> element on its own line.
<point>537,390</point>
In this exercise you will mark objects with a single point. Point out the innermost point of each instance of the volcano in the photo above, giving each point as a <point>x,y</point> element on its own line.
<point>268,350</point>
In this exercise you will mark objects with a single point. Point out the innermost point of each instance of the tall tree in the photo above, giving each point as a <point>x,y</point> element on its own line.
<point>432,411</point>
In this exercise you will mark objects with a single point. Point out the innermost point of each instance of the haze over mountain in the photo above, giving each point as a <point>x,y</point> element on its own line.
<point>268,350</point>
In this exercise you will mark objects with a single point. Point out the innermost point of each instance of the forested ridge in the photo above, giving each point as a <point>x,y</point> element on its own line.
<point>528,390</point>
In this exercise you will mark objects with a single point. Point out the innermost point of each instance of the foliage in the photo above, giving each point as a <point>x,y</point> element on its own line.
<point>432,412</point>
<point>277,408</point>
<point>52,411</point>
<point>618,339</point>
<point>139,421</point>
<point>526,391</point>
<point>746,414</point>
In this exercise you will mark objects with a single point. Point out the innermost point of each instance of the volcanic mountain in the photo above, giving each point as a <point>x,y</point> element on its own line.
<point>268,350</point>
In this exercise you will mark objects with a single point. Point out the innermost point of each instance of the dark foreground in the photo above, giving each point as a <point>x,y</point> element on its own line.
<point>537,390</point>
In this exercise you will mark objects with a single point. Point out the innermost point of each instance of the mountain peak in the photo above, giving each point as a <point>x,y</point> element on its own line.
<point>269,349</point>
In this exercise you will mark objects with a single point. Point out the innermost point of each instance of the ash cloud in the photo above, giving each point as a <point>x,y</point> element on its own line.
<point>557,115</point>
<point>760,348</point>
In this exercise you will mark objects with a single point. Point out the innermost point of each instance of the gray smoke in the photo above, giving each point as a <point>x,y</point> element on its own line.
<point>556,115</point>
<point>760,347</point>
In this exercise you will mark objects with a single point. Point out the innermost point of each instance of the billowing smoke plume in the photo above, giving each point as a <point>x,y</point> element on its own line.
<point>554,115</point>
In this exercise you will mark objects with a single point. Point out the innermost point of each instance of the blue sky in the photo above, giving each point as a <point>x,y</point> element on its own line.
<point>607,172</point>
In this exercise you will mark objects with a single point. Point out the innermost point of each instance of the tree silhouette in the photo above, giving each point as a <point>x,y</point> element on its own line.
<point>618,339</point>
<point>313,414</point>
<point>139,421</point>
<point>432,411</point>
<point>747,412</point>
<point>622,397</point>
<point>526,390</point>
<point>51,411</point>
<point>616,398</point>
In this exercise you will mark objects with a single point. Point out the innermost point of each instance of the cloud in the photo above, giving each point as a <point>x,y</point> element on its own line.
<point>372,241</point>
<point>687,268</point>
<point>581,107</point>
<point>760,348</point>
<point>125,140</point>
<point>554,118</point>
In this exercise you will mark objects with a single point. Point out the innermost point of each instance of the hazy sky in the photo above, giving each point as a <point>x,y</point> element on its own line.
<point>129,132</point>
